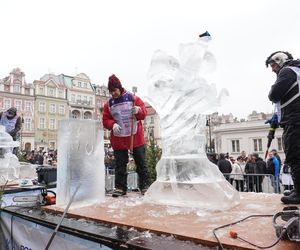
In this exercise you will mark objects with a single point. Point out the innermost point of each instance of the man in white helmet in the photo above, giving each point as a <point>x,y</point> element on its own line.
<point>286,96</point>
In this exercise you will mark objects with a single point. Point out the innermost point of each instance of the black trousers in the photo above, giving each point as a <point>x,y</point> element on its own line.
<point>291,143</point>
<point>121,168</point>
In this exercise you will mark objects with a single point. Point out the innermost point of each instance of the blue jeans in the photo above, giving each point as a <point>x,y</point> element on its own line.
<point>275,184</point>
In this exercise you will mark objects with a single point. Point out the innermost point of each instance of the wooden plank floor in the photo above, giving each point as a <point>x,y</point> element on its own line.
<point>192,224</point>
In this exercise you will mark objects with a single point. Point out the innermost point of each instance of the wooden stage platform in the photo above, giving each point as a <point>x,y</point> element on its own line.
<point>192,224</point>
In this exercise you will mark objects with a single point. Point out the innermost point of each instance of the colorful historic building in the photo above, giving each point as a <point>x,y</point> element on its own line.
<point>15,92</point>
<point>80,96</point>
<point>51,105</point>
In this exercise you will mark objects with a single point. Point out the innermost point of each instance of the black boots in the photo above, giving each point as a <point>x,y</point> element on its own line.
<point>118,192</point>
<point>288,192</point>
<point>293,198</point>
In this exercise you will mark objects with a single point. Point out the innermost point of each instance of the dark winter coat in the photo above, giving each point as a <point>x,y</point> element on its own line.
<point>224,166</point>
<point>280,92</point>
<point>261,166</point>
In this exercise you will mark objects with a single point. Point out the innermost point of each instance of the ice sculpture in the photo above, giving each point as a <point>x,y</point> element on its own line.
<point>9,163</point>
<point>80,161</point>
<point>181,96</point>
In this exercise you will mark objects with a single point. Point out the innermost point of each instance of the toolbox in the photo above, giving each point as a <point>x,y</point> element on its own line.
<point>46,174</point>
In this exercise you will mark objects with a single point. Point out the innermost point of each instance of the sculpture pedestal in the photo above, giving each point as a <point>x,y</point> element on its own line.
<point>191,181</point>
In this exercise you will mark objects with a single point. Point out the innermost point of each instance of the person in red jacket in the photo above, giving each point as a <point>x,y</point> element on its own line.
<point>117,117</point>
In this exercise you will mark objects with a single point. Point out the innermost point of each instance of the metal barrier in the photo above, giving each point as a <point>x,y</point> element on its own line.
<point>259,183</point>
<point>132,180</point>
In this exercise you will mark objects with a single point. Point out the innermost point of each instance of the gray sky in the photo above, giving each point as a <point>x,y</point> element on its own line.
<point>119,36</point>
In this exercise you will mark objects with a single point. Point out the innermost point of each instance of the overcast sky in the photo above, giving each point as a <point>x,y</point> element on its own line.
<point>104,37</point>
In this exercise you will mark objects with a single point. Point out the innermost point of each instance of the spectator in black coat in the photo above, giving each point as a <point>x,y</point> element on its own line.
<point>224,166</point>
<point>260,169</point>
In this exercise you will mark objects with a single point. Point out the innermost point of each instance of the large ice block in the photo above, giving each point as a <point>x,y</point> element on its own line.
<point>80,161</point>
<point>179,91</point>
<point>9,163</point>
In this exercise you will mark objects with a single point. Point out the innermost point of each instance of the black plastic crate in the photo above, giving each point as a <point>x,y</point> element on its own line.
<point>46,175</point>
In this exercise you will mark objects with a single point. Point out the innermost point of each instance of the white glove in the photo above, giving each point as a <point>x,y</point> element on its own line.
<point>116,128</point>
<point>135,110</point>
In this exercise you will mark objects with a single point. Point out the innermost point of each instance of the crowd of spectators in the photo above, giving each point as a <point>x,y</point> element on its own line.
<point>247,172</point>
<point>41,157</point>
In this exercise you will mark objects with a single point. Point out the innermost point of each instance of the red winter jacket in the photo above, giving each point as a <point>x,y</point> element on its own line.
<point>121,143</point>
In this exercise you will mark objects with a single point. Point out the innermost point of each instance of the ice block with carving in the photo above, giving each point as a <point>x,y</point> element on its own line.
<point>80,161</point>
<point>179,91</point>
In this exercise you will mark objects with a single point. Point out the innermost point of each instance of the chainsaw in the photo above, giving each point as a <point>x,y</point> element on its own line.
<point>46,197</point>
<point>291,229</point>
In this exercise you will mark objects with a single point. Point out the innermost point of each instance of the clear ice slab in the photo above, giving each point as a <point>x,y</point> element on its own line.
<point>80,161</point>
<point>9,163</point>
<point>181,95</point>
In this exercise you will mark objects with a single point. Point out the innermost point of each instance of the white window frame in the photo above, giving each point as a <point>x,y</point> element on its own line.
<point>235,146</point>
<point>51,92</point>
<point>62,109</point>
<point>18,104</point>
<point>27,124</point>
<point>6,104</point>
<point>28,106</point>
<point>52,108</point>
<point>42,107</point>
<point>17,88</point>
<point>52,123</point>
<point>257,145</point>
<point>42,123</point>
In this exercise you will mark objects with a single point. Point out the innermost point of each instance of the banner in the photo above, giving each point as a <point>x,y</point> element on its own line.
<point>19,234</point>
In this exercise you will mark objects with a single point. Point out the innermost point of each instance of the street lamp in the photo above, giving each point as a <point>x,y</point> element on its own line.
<point>208,124</point>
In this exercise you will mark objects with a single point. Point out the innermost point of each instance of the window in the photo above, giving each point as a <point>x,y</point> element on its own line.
<point>41,90</point>
<point>85,99</point>
<point>27,123</point>
<point>85,85</point>
<point>91,100</point>
<point>6,104</point>
<point>18,105</point>
<point>79,84</point>
<point>42,107</point>
<point>99,104</point>
<point>51,92</point>
<point>151,119</point>
<point>79,98</point>
<point>27,91</point>
<point>73,98</point>
<point>17,88</point>
<point>61,109</point>
<point>257,145</point>
<point>60,94</point>
<point>52,108</point>
<point>235,146</point>
<point>279,142</point>
<point>27,106</point>
<point>42,123</point>
<point>52,123</point>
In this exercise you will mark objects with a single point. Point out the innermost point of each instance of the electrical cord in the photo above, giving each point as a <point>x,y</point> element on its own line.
<point>235,235</point>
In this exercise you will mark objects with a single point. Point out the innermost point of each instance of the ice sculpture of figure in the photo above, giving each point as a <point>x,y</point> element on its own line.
<point>80,161</point>
<point>181,96</point>
<point>9,163</point>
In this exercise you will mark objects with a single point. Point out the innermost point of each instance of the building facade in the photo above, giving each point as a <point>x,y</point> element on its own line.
<point>80,96</point>
<point>151,125</point>
<point>51,105</point>
<point>15,92</point>
<point>250,136</point>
